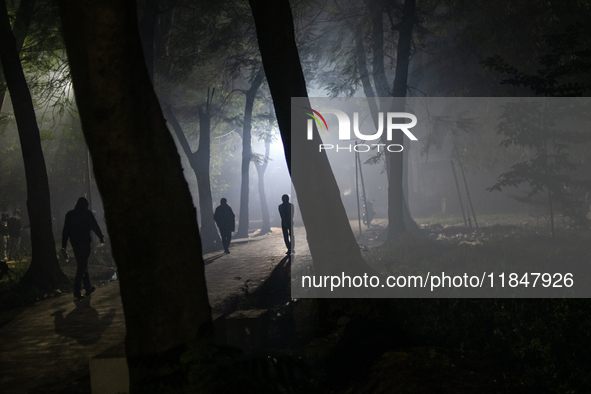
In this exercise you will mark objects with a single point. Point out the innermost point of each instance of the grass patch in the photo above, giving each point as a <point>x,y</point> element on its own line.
<point>497,249</point>
<point>485,219</point>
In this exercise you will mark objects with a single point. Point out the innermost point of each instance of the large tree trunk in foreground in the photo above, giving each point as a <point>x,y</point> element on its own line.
<point>44,270</point>
<point>247,154</point>
<point>330,238</point>
<point>147,29</point>
<point>148,206</point>
<point>24,15</point>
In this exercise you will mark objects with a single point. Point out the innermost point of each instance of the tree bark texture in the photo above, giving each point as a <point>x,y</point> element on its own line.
<point>247,154</point>
<point>44,270</point>
<point>330,238</point>
<point>148,207</point>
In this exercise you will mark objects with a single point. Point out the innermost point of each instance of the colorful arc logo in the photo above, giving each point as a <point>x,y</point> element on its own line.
<point>316,119</point>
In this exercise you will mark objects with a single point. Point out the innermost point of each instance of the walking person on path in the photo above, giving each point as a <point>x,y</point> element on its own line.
<point>286,212</point>
<point>77,226</point>
<point>224,218</point>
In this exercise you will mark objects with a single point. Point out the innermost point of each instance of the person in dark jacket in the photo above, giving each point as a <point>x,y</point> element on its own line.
<point>224,218</point>
<point>286,212</point>
<point>77,226</point>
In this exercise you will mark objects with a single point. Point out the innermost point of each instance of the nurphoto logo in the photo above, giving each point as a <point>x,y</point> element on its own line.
<point>345,130</point>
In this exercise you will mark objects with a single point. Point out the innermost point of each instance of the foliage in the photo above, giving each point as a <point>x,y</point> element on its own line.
<point>328,32</point>
<point>465,32</point>
<point>222,54</point>
<point>564,70</point>
<point>534,126</point>
<point>542,342</point>
<point>45,65</point>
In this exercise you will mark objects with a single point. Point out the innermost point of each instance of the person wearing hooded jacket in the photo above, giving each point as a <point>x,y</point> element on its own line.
<point>224,218</point>
<point>77,226</point>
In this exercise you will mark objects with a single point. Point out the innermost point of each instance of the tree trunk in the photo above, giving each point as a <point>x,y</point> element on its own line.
<point>396,204</point>
<point>261,168</point>
<point>147,28</point>
<point>330,238</point>
<point>377,34</point>
<point>44,270</point>
<point>24,15</point>
<point>247,154</point>
<point>199,162</point>
<point>148,206</point>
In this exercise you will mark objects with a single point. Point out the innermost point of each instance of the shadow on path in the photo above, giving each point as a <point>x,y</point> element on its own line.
<point>211,259</point>
<point>275,290</point>
<point>83,323</point>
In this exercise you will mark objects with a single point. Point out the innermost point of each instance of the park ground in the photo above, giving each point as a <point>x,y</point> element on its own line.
<point>340,346</point>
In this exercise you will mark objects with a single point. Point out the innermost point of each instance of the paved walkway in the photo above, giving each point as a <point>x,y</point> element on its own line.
<point>46,348</point>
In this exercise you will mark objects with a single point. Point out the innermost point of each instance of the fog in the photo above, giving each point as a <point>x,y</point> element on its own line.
<point>446,60</point>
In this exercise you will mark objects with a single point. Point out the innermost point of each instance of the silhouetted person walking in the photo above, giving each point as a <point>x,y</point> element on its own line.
<point>286,212</point>
<point>14,234</point>
<point>77,226</point>
<point>224,218</point>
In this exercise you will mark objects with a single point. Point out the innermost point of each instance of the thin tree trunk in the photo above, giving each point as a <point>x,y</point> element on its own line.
<point>396,225</point>
<point>148,206</point>
<point>247,154</point>
<point>357,190</point>
<point>551,211</point>
<point>467,191</point>
<point>44,270</point>
<point>367,218</point>
<point>261,168</point>
<point>199,162</point>
<point>459,193</point>
<point>377,34</point>
<point>545,146</point>
<point>364,74</point>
